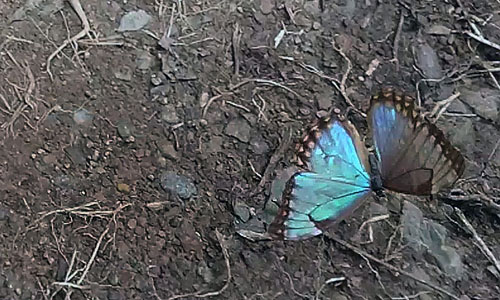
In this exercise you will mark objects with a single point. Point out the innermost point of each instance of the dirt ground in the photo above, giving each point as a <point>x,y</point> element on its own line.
<point>129,158</point>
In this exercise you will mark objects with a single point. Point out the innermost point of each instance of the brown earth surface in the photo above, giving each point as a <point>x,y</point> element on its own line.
<point>218,92</point>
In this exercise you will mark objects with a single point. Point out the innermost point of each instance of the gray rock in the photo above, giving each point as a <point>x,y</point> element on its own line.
<point>76,154</point>
<point>82,117</point>
<point>205,272</point>
<point>64,182</point>
<point>134,20</point>
<point>439,30</point>
<point>428,61</point>
<point>4,214</point>
<point>124,73</point>
<point>346,10</point>
<point>42,8</point>
<point>425,297</point>
<point>242,211</point>
<point>179,185</point>
<point>161,90</point>
<point>312,7</point>
<point>427,236</point>
<point>493,271</point>
<point>339,297</point>
<point>325,101</point>
<point>169,114</point>
<point>449,261</point>
<point>238,128</point>
<point>485,102</point>
<point>462,134</point>
<point>258,145</point>
<point>158,79</point>
<point>125,129</point>
<point>215,144</point>
<point>377,209</point>
<point>144,60</point>
<point>168,150</point>
<point>457,106</point>
<point>266,6</point>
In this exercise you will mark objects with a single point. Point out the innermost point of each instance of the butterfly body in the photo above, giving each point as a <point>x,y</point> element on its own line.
<point>411,156</point>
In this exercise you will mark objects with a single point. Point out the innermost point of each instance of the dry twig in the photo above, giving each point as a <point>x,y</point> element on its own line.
<point>480,243</point>
<point>85,31</point>
<point>395,48</point>
<point>441,106</point>
<point>69,276</point>
<point>342,88</point>
<point>236,48</point>
<point>368,222</point>
<point>268,82</point>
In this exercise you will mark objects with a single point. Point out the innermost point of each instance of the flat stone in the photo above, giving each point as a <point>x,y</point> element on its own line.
<point>179,185</point>
<point>439,30</point>
<point>144,60</point>
<point>325,100</point>
<point>463,135</point>
<point>242,211</point>
<point>485,102</point>
<point>169,114</point>
<point>424,235</point>
<point>258,145</point>
<point>266,6</point>
<point>205,272</point>
<point>123,188</point>
<point>377,209</point>
<point>134,20</point>
<point>215,144</point>
<point>239,129</point>
<point>82,117</point>
<point>428,61</point>
<point>168,150</point>
<point>125,129</point>
<point>123,73</point>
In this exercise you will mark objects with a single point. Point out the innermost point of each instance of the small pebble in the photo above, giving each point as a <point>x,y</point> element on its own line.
<point>155,80</point>
<point>123,187</point>
<point>180,185</point>
<point>125,129</point>
<point>82,117</point>
<point>132,223</point>
<point>169,114</point>
<point>304,111</point>
<point>134,21</point>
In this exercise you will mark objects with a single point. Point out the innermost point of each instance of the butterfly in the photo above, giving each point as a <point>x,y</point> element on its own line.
<point>411,156</point>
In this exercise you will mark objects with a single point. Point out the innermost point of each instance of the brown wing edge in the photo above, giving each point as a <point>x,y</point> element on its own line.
<point>406,104</point>
<point>277,228</point>
<point>311,137</point>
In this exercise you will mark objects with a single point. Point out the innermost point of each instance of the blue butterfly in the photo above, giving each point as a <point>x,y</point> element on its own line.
<point>411,156</point>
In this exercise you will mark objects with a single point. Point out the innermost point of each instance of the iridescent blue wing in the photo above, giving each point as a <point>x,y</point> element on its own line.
<point>415,157</point>
<point>336,182</point>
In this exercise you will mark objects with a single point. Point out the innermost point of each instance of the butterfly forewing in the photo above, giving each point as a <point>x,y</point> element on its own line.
<point>415,157</point>
<point>335,183</point>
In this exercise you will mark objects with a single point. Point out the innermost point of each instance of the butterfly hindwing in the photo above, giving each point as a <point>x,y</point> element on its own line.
<point>335,183</point>
<point>415,157</point>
